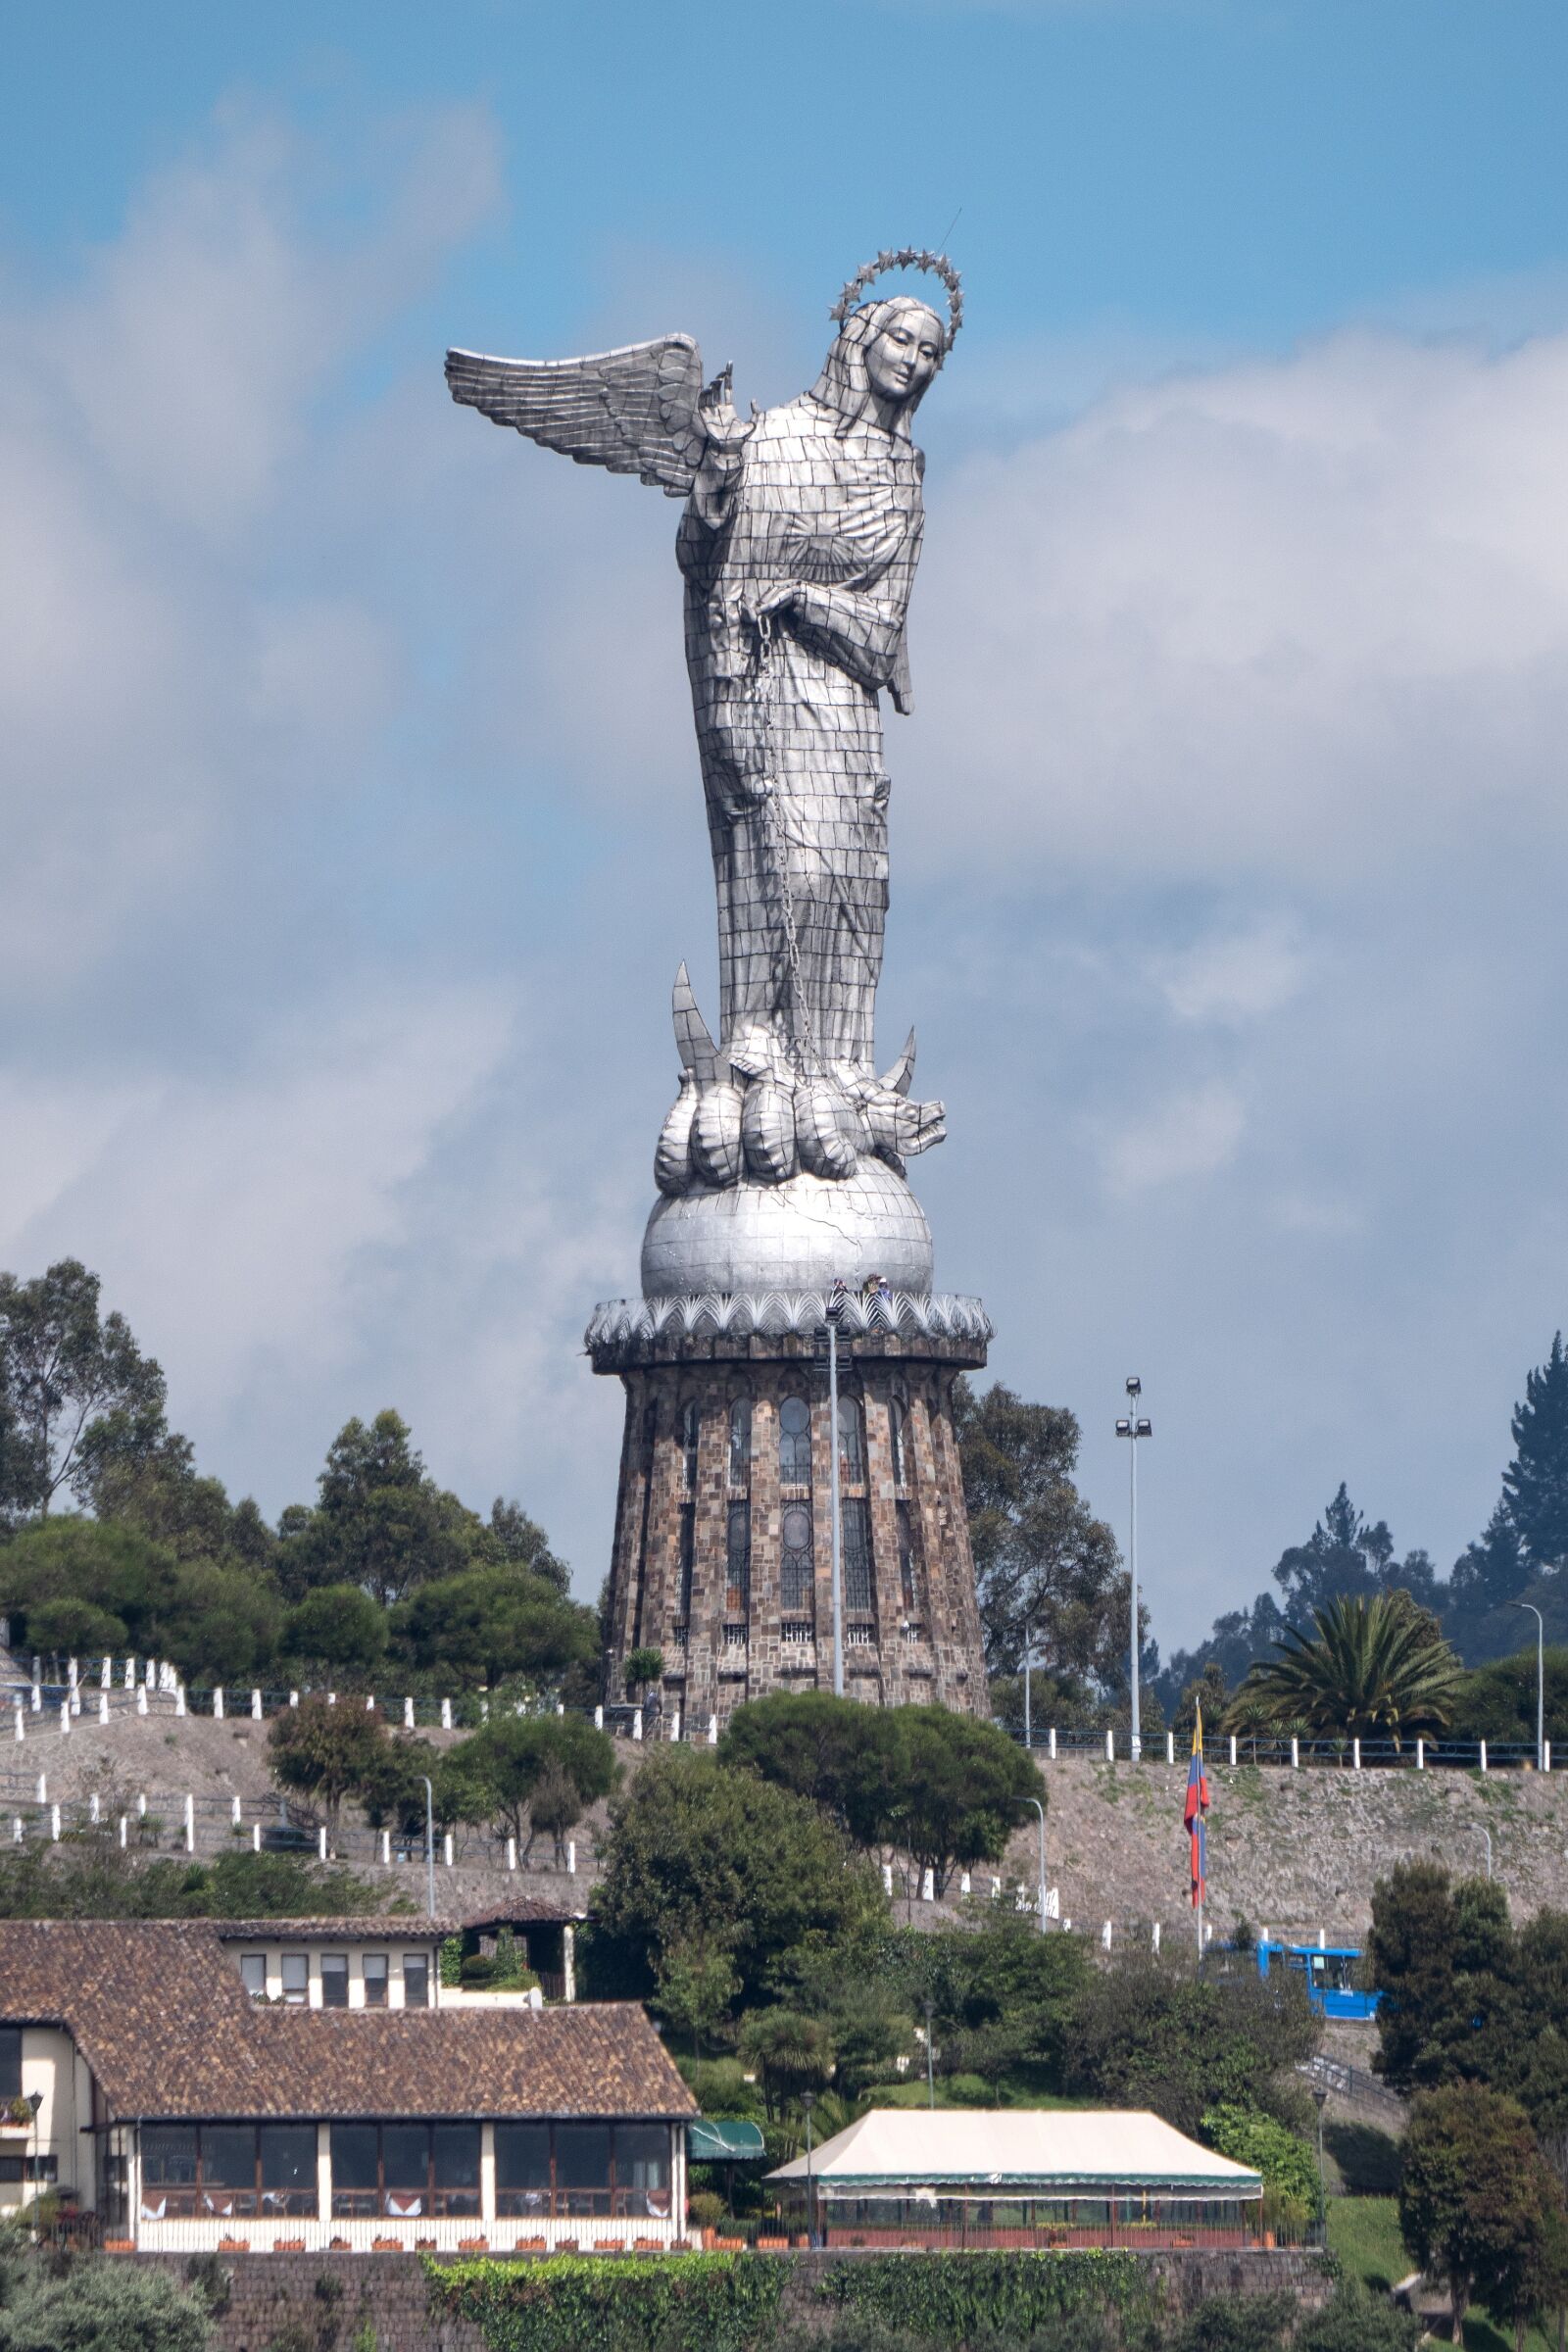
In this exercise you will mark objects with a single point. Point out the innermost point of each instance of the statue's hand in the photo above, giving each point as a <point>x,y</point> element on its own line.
<point>726,432</point>
<point>778,603</point>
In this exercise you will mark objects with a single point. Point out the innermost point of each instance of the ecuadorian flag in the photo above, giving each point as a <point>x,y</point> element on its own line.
<point>1195,1807</point>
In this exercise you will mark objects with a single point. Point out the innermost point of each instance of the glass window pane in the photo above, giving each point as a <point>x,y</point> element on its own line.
<point>794,1443</point>
<point>795,1567</point>
<point>169,2154</point>
<point>415,1981</point>
<point>738,1560</point>
<point>253,1973</point>
<point>582,2155</point>
<point>354,2160</point>
<point>406,2155</point>
<point>856,1535</point>
<point>228,2155</point>
<point>642,2155</point>
<point>522,2156</point>
<point>288,2156</point>
<point>909,1589</point>
<point>375,1980</point>
<point>334,1980</point>
<point>10,2062</point>
<point>851,1442</point>
<point>740,1443</point>
<point>896,1441</point>
<point>690,1426</point>
<point>296,1977</point>
<point>457,2155</point>
<point>688,1556</point>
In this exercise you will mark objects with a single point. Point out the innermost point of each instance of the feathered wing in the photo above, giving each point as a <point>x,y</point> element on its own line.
<point>633,409</point>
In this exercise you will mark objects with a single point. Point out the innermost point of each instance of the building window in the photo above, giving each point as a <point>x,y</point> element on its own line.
<point>405,2171</point>
<point>898,1441</point>
<point>851,1442</point>
<point>738,1560</point>
<point>227,2171</point>
<point>739,1443</point>
<point>334,1980</point>
<point>582,2169</point>
<point>856,1536</point>
<point>253,1974</point>
<point>36,2170</point>
<point>689,1428</point>
<point>795,1568</point>
<point>688,1557</point>
<point>10,2062</point>
<point>415,1979</point>
<point>794,1443</point>
<point>374,1966</point>
<point>908,1560</point>
<point>296,1979</point>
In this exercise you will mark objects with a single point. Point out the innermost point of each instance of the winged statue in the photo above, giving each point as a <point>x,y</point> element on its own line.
<point>798,545</point>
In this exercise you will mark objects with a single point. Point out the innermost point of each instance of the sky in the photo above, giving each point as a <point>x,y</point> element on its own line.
<point>352,821</point>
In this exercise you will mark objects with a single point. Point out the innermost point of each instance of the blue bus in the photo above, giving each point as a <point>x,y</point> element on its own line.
<point>1330,1971</point>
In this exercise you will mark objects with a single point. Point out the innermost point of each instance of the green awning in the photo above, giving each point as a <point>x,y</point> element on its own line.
<point>724,2141</point>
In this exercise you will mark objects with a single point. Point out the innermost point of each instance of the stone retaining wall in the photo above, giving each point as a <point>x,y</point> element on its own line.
<point>319,2302</point>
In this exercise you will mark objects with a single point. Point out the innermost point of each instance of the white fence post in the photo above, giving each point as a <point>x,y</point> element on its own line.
<point>70,1673</point>
<point>141,1699</point>
<point>1482,1755</point>
<point>1050,1743</point>
<point>446,1714</point>
<point>217,1703</point>
<point>95,1809</point>
<point>1420,1755</point>
<point>179,1698</point>
<point>571,1857</point>
<point>234,1814</point>
<point>996,1890</point>
<point>255,1837</point>
<point>599,1719</point>
<point>331,1698</point>
<point>124,1831</point>
<point>512,1853</point>
<point>1110,1746</point>
<point>963,1882</point>
<point>445,1849</point>
<point>887,1877</point>
<point>103,1709</point>
<point>1170,1749</point>
<point>256,1706</point>
<point>1355,1756</point>
<point>293,1698</point>
<point>320,1843</point>
<point>1295,1753</point>
<point>387,1846</point>
<point>190,1824</point>
<point>65,1719</point>
<point>928,1885</point>
<point>637,1722</point>
<point>713,1731</point>
<point>369,1704</point>
<point>674,1728</point>
<point>106,1674</point>
<point>21,1721</point>
<point>42,1797</point>
<point>1233,1748</point>
<point>1156,1935</point>
<point>54,1824</point>
<point>408,1714</point>
<point>130,1674</point>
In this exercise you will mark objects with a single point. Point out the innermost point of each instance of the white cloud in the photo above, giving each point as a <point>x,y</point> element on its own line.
<point>1233,977</point>
<point>1190,1135</point>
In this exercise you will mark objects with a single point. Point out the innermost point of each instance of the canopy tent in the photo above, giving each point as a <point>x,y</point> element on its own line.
<point>722,2140</point>
<point>905,2174</point>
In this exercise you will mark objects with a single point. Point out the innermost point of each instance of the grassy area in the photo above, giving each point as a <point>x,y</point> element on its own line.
<point>1364,2233</point>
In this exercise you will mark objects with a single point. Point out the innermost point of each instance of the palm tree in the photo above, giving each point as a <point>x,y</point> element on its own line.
<point>1377,1667</point>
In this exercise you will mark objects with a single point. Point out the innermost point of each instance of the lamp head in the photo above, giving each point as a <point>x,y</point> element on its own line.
<point>1124,1428</point>
<point>1135,1387</point>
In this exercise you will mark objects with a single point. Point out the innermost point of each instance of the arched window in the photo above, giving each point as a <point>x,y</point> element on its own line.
<point>688,1557</point>
<point>739,1443</point>
<point>909,1563</point>
<point>738,1560</point>
<point>856,1536</point>
<point>795,1568</point>
<point>794,1443</point>
<point>851,1442</point>
<point>691,1422</point>
<point>898,1441</point>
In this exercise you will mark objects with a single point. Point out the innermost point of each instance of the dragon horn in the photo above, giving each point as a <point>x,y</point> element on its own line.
<point>898,1079</point>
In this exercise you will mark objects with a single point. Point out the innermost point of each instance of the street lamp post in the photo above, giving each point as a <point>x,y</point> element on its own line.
<point>830,1332</point>
<point>1028,1707</point>
<point>1133,1426</point>
<point>1041,1810</point>
<point>808,2102</point>
<point>35,2101</point>
<point>1541,1679</point>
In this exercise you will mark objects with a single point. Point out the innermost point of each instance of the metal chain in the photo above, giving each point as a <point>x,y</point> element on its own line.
<point>803,1043</point>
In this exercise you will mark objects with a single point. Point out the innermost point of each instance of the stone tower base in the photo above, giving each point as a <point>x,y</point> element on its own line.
<point>722,1555</point>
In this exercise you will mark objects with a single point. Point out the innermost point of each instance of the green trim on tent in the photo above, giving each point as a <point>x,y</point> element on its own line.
<point>724,2141</point>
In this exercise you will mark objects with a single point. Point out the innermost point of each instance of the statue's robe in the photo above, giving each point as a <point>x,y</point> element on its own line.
<point>837,507</point>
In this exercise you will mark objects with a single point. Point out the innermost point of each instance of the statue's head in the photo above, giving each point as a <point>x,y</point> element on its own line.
<point>886,353</point>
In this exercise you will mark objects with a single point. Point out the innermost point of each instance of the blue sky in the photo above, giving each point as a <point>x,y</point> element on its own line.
<point>352,818</point>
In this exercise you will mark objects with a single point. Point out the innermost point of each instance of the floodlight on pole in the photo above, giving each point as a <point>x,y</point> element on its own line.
<point>1134,1426</point>
<point>829,1331</point>
<point>1541,1679</point>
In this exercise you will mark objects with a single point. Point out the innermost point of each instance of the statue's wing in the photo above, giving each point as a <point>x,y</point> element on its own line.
<point>633,409</point>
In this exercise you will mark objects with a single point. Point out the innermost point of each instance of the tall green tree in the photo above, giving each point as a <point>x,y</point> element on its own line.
<point>75,1391</point>
<point>505,1766</point>
<point>326,1752</point>
<point>1535,1484</point>
<point>1146,2033</point>
<point>521,1540</point>
<point>1443,1957</point>
<point>1476,2199</point>
<point>1042,1558</point>
<point>381,1521</point>
<point>490,1623</point>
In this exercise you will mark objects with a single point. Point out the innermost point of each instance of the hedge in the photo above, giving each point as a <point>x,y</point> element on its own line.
<point>953,2297</point>
<point>618,2303</point>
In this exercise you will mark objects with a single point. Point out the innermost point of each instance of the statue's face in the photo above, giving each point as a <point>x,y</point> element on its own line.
<point>902,359</point>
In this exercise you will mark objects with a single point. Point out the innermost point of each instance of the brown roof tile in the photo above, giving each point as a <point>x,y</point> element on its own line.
<point>160,2015</point>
